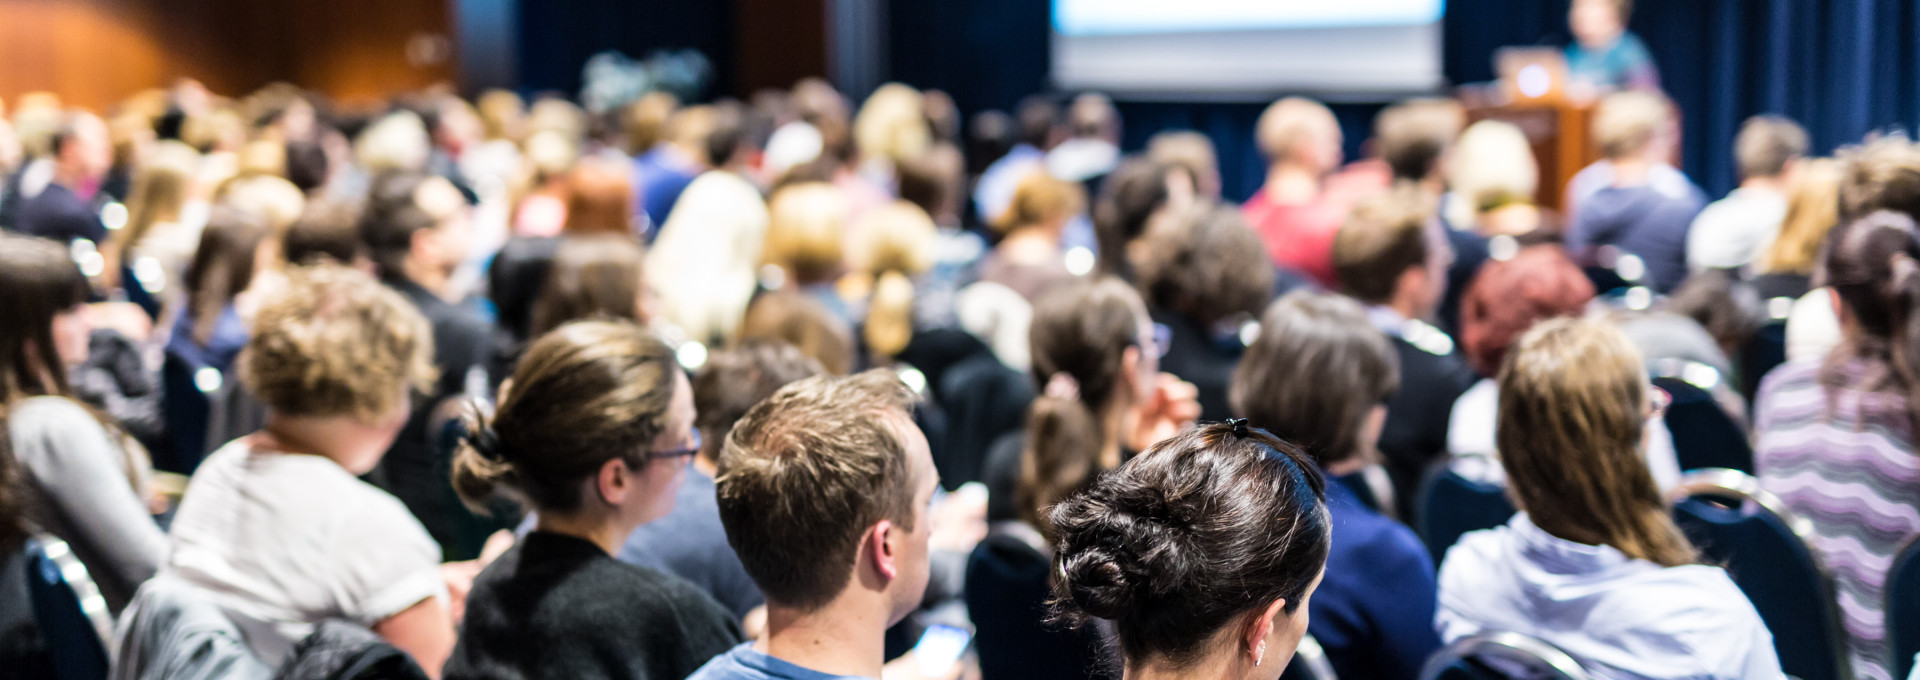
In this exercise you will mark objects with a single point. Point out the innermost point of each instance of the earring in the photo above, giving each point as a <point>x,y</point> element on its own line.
<point>1259,655</point>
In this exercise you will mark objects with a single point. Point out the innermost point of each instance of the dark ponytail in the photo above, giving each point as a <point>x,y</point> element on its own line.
<point>1188,536</point>
<point>1873,263</point>
<point>1079,336</point>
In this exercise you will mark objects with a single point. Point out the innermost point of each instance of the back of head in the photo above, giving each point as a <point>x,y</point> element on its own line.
<point>1414,135</point>
<point>223,266</point>
<point>1293,125</point>
<point>595,276</point>
<point>396,142</point>
<point>502,114</point>
<point>1492,164</point>
<point>895,244</point>
<point>1626,123</point>
<point>1037,116</point>
<point>1813,208</point>
<point>274,200</point>
<point>806,472</point>
<point>335,343</point>
<point>38,281</point>
<point>1184,539</point>
<point>1766,145</point>
<point>161,185</point>
<point>1384,236</point>
<point>1315,374</point>
<point>735,379</point>
<point>645,120</point>
<point>936,181</point>
<point>1509,296</point>
<point>1041,199</point>
<point>796,319</point>
<point>326,230</point>
<point>1193,152</point>
<point>587,393</point>
<point>1883,174</point>
<point>892,124</point>
<point>393,214</point>
<point>1129,197</point>
<point>1092,116</point>
<point>1573,402</point>
<point>1873,264</point>
<point>806,231</point>
<point>1079,337</point>
<point>600,198</point>
<point>1206,265</point>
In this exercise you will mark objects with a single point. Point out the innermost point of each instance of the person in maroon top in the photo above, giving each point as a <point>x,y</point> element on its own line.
<point>1294,212</point>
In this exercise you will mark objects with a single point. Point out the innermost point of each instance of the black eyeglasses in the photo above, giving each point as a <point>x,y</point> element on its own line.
<point>678,453</point>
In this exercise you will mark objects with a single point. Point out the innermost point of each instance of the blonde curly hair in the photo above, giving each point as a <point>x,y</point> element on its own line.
<point>334,342</point>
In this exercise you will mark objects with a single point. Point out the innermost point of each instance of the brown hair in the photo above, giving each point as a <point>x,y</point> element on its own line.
<point>1191,151</point>
<point>325,230</point>
<point>590,276</point>
<point>222,266</point>
<point>1383,237</point>
<point>806,472</point>
<point>1766,144</point>
<point>599,199</point>
<point>1882,174</point>
<point>792,317</point>
<point>390,219</point>
<point>645,120</point>
<point>1039,199</point>
<point>806,231</point>
<point>1199,530</point>
<point>1129,196</point>
<point>1207,265</point>
<point>1572,396</point>
<point>1873,263</point>
<point>334,342</point>
<point>1813,208</point>
<point>733,380</point>
<point>1413,135</point>
<point>160,187</point>
<point>1509,296</point>
<point>584,394</point>
<point>1080,332</point>
<point>1314,374</point>
<point>13,502</point>
<point>38,281</point>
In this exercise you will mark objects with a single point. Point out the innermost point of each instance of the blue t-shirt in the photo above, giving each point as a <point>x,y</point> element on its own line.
<point>743,663</point>
<point>1626,64</point>
<point>1374,610</point>
<point>691,543</point>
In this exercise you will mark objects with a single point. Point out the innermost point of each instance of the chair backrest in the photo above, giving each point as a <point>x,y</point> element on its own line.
<point>1765,549</point>
<point>1763,352</point>
<point>1501,656</point>
<point>1309,663</point>
<point>1903,609</point>
<point>1704,435</point>
<point>1452,505</point>
<point>983,400</point>
<point>68,609</point>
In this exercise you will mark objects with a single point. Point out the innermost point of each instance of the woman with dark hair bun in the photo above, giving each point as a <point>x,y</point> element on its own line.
<point>1201,551</point>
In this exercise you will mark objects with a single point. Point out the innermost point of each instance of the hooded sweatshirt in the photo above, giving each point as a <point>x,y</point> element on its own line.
<point>1619,617</point>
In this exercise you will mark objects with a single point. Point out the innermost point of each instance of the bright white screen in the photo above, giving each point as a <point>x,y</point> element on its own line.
<point>1247,46</point>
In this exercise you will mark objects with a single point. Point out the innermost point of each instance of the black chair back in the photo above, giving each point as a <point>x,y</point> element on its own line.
<point>1903,610</point>
<point>1765,548</point>
<point>186,410</point>
<point>1501,656</point>
<point>1452,505</point>
<point>1704,436</point>
<point>1763,352</point>
<point>68,610</point>
<point>983,400</point>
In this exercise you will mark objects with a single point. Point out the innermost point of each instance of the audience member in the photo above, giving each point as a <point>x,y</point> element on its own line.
<point>1593,564</point>
<point>274,527</point>
<point>1785,267</point>
<point>704,262</point>
<point>1734,231</point>
<point>1292,211</point>
<point>594,433</point>
<point>600,199</point>
<point>801,321</point>
<point>1192,151</point>
<point>1605,56</point>
<point>1037,119</point>
<point>823,490</point>
<point>1492,178</point>
<point>1834,436</point>
<point>66,210</point>
<point>417,231</point>
<point>1390,258</point>
<point>1634,201</point>
<point>806,240</point>
<point>663,172</point>
<point>1092,147</point>
<point>326,230</point>
<point>211,330</point>
<point>1415,140</point>
<point>84,481</point>
<point>1201,552</point>
<point>1319,376</point>
<point>1135,196</point>
<point>164,216</point>
<point>1204,278</point>
<point>690,542</point>
<point>1096,356</point>
<point>891,249</point>
<point>1030,255</point>
<point>596,276</point>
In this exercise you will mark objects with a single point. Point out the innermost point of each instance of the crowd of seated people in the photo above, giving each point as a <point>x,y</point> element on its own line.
<point>769,389</point>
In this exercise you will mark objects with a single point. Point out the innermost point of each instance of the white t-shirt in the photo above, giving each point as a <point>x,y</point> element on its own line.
<point>1734,231</point>
<point>285,541</point>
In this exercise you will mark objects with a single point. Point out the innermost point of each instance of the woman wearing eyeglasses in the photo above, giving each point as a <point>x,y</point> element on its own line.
<point>1097,354</point>
<point>1593,564</point>
<point>595,434</point>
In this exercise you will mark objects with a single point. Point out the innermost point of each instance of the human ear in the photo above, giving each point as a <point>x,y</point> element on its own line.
<point>1260,627</point>
<point>614,481</point>
<point>880,543</point>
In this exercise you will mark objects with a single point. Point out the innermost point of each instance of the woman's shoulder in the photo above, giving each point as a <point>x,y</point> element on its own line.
<point>49,412</point>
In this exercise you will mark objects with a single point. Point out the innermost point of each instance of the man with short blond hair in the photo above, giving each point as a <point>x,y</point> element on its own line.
<point>1733,231</point>
<point>1634,201</point>
<point>823,489</point>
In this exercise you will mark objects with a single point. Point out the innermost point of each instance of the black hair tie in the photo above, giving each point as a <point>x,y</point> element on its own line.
<point>486,442</point>
<point>1239,426</point>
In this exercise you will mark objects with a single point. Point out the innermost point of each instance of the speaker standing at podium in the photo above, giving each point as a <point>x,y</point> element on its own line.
<point>1604,56</point>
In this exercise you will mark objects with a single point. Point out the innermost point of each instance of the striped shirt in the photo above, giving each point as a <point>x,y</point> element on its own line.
<point>1851,470</point>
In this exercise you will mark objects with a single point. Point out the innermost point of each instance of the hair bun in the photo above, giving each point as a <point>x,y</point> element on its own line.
<point>1097,584</point>
<point>486,442</point>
